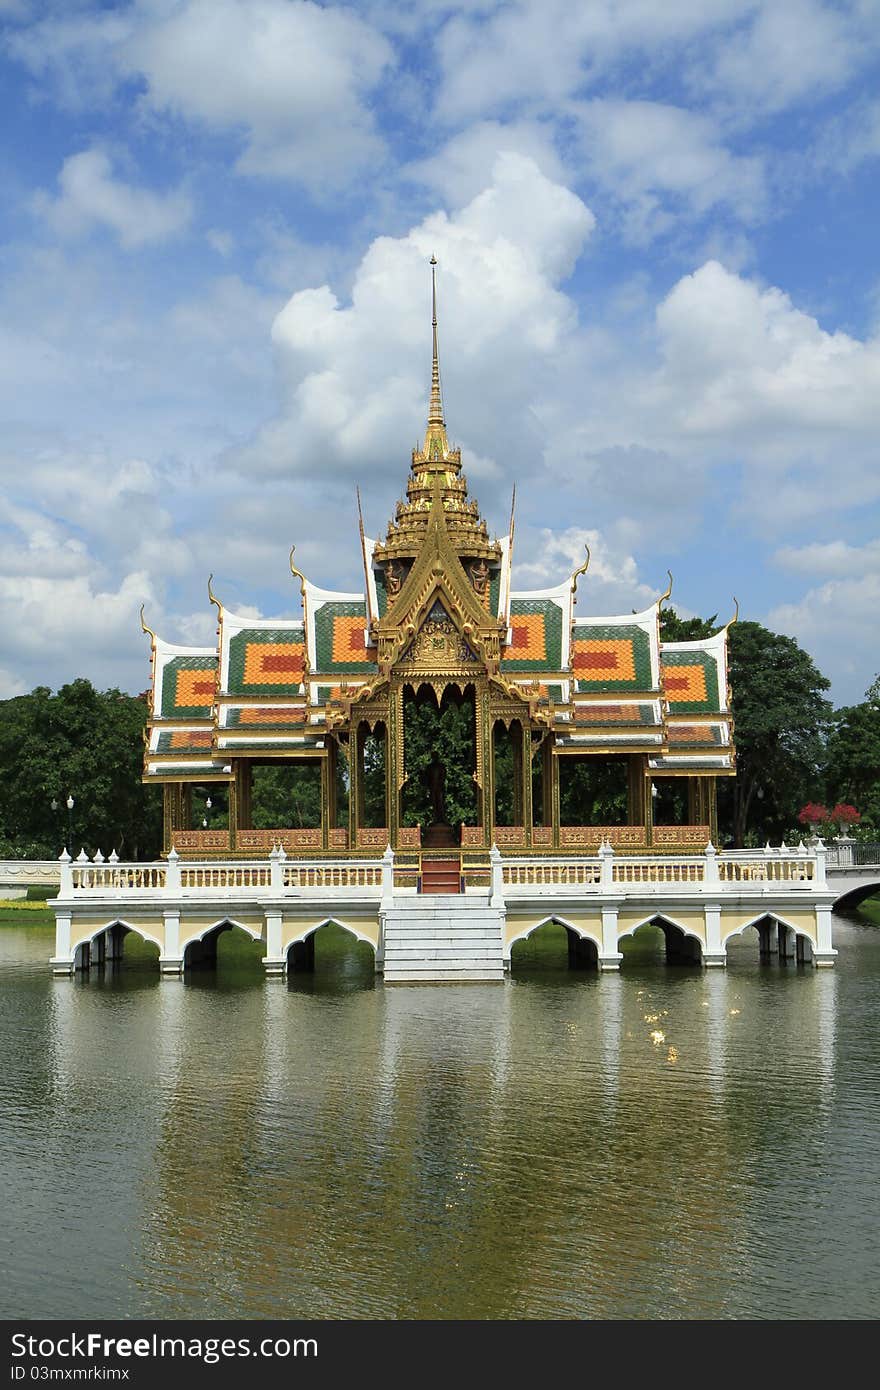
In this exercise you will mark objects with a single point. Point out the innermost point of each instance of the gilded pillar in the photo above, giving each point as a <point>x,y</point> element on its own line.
<point>167,816</point>
<point>332,774</point>
<point>244,782</point>
<point>354,790</point>
<point>526,761</point>
<point>546,782</point>
<point>695,798</point>
<point>649,811</point>
<point>516,741</point>
<point>325,803</point>
<point>234,807</point>
<point>394,764</point>
<point>636,789</point>
<point>711,788</point>
<point>485,766</point>
<point>360,748</point>
<point>555,808</point>
<point>389,779</point>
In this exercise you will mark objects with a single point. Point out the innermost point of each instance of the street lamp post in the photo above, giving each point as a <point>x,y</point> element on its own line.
<point>70,804</point>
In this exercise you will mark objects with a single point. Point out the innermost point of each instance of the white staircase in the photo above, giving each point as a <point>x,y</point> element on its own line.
<point>443,938</point>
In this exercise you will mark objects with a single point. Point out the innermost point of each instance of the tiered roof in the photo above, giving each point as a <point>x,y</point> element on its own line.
<point>276,687</point>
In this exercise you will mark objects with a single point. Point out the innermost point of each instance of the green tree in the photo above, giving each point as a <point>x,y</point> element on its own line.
<point>676,629</point>
<point>80,742</point>
<point>592,791</point>
<point>781,716</point>
<point>286,796</point>
<point>853,758</point>
<point>439,738</point>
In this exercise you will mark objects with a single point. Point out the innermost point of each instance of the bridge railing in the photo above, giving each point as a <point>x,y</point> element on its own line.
<point>709,872</point>
<point>274,877</point>
<point>853,854</point>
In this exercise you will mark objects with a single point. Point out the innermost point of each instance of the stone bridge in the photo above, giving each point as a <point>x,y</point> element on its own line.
<point>854,884</point>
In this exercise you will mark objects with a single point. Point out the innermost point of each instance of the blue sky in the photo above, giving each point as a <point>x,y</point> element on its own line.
<point>656,228</point>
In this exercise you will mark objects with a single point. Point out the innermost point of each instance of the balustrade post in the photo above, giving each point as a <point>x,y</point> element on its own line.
<point>276,869</point>
<point>820,852</point>
<point>387,878</point>
<point>606,859</point>
<point>172,872</point>
<point>497,898</point>
<point>710,870</point>
<point>66,875</point>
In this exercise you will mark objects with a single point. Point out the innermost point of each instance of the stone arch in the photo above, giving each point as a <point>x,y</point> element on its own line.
<point>299,953</point>
<point>583,945</point>
<point>200,948</point>
<point>854,895</point>
<point>683,945</point>
<point>330,921</point>
<point>804,942</point>
<point>93,949</point>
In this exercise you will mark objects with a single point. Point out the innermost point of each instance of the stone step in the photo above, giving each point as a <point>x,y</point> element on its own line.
<point>465,940</point>
<point>422,960</point>
<point>440,939</point>
<point>465,975</point>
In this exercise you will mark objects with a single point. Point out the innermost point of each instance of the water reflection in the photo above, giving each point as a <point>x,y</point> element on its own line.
<point>659,1143</point>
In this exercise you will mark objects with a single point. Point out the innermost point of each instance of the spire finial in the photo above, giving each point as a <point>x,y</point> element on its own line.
<point>435,410</point>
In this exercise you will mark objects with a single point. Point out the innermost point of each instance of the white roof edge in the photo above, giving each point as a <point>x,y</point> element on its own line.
<point>555,593</point>
<point>238,622</point>
<point>317,596</point>
<point>169,649</point>
<point>646,615</point>
<point>703,644</point>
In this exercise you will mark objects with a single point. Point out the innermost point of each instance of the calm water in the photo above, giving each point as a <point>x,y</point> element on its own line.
<point>665,1143</point>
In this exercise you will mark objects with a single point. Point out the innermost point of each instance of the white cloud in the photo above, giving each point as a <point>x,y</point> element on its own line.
<point>221,242</point>
<point>290,79</point>
<point>737,357</point>
<point>294,76</point>
<point>834,621</point>
<point>543,557</point>
<point>837,559</point>
<point>790,52</point>
<point>541,51</point>
<point>89,195</point>
<point>501,260</point>
<point>646,153</point>
<point>462,168</point>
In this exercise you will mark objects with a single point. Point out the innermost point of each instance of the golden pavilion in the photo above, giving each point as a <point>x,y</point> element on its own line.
<point>555,695</point>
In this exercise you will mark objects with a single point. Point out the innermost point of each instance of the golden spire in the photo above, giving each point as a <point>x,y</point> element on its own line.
<point>436,443</point>
<point>435,409</point>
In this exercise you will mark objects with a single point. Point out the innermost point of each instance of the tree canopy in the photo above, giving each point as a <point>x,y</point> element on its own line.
<point>83,743</point>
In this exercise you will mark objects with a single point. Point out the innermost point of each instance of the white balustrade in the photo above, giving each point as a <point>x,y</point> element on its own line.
<point>711,874</point>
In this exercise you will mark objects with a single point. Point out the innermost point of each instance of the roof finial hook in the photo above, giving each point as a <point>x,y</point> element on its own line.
<point>213,597</point>
<point>297,574</point>
<point>668,591</point>
<point>735,618</point>
<point>144,627</point>
<point>582,569</point>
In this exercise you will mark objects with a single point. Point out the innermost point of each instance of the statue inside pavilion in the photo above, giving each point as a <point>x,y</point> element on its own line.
<point>440,711</point>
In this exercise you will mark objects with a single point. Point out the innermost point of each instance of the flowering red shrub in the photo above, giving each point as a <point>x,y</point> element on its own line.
<point>843,814</point>
<point>814,813</point>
